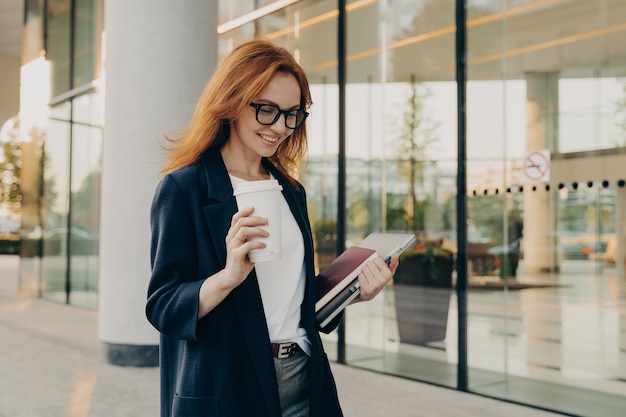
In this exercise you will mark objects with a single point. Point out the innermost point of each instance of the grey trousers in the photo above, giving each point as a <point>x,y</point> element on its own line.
<point>292,375</point>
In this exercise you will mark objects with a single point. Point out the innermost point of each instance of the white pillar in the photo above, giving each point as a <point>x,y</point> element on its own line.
<point>159,55</point>
<point>542,110</point>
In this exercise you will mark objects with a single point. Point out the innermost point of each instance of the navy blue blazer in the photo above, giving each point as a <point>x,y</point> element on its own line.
<point>222,364</point>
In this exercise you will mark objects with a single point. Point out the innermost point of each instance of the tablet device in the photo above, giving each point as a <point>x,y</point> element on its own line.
<point>386,244</point>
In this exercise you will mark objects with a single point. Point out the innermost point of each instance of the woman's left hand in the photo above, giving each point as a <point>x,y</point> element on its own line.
<point>375,275</point>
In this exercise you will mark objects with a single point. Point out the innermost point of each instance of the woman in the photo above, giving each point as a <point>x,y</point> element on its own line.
<point>238,338</point>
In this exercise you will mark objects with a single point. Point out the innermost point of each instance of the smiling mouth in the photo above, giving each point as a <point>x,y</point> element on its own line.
<point>269,139</point>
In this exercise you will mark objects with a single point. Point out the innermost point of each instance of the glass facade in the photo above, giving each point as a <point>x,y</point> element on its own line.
<point>545,297</point>
<point>543,318</point>
<point>71,202</point>
<point>62,180</point>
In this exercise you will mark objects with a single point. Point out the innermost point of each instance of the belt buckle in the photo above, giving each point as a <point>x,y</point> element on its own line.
<point>285,350</point>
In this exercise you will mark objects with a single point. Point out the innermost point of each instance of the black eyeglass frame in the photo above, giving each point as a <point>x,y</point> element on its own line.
<point>279,112</point>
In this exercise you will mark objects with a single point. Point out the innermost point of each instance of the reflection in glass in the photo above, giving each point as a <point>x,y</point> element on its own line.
<point>71,203</point>
<point>591,113</point>
<point>58,45</point>
<point>85,210</point>
<point>54,210</point>
<point>88,109</point>
<point>87,46</point>
<point>546,297</point>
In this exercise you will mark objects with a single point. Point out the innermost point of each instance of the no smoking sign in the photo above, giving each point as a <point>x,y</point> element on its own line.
<point>537,166</point>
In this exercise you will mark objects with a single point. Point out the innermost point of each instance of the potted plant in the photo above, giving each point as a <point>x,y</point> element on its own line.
<point>422,288</point>
<point>325,232</point>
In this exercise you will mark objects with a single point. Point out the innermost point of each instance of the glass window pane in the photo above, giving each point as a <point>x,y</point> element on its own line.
<point>85,218</point>
<point>400,134</point>
<point>33,34</point>
<point>89,109</point>
<point>58,45</point>
<point>87,47</point>
<point>232,9</point>
<point>591,113</point>
<point>546,253</point>
<point>61,111</point>
<point>544,119</point>
<point>55,210</point>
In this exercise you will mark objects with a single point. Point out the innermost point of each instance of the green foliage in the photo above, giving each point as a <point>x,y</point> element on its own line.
<point>426,264</point>
<point>447,211</point>
<point>595,214</point>
<point>416,132</point>
<point>396,218</point>
<point>427,251</point>
<point>85,203</point>
<point>10,166</point>
<point>485,212</point>
<point>570,218</point>
<point>363,213</point>
<point>325,232</point>
<point>10,245</point>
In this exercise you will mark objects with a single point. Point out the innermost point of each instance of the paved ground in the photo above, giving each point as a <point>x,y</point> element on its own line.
<point>51,365</point>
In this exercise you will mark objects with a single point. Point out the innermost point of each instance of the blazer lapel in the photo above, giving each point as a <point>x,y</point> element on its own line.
<point>220,202</point>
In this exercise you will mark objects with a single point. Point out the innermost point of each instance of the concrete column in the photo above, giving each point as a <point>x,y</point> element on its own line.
<point>10,85</point>
<point>542,106</point>
<point>159,55</point>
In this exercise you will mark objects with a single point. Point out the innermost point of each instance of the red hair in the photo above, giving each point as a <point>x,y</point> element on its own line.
<point>243,74</point>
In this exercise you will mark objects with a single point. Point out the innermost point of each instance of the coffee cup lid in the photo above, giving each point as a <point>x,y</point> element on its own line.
<point>252,186</point>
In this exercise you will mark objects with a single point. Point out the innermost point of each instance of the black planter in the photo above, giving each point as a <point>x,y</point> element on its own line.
<point>422,298</point>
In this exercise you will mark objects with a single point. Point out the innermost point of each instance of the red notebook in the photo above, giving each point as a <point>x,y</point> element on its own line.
<point>341,273</point>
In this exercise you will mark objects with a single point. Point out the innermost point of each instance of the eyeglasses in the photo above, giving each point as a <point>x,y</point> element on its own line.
<point>268,114</point>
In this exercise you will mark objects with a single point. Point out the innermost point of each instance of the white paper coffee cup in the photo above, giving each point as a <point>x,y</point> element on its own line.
<point>265,196</point>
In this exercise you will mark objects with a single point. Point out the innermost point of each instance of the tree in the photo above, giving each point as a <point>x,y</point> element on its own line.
<point>10,165</point>
<point>85,201</point>
<point>416,133</point>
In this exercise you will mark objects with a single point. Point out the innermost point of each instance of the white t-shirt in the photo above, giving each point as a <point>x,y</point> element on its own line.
<point>282,283</point>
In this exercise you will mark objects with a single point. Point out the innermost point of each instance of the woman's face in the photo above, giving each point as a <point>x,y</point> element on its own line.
<point>256,140</point>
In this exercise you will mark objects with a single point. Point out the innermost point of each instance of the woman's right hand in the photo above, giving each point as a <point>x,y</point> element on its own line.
<point>238,265</point>
<point>242,227</point>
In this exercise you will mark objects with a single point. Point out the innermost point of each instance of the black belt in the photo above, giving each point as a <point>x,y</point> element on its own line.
<point>285,350</point>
